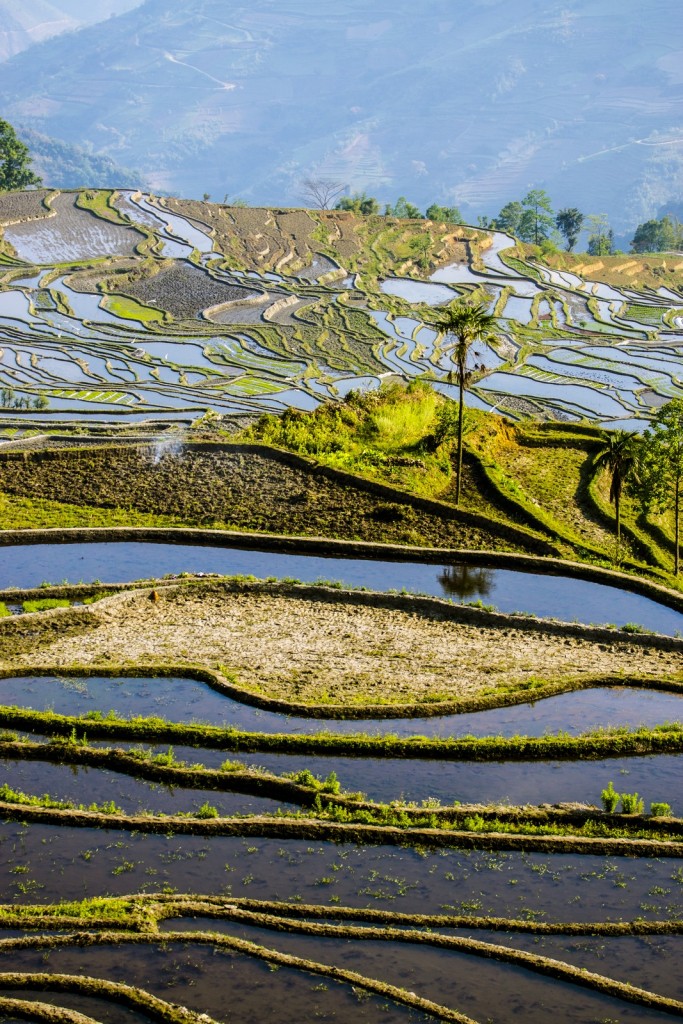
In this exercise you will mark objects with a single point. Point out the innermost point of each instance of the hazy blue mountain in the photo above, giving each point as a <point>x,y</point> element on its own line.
<point>65,165</point>
<point>24,24</point>
<point>467,103</point>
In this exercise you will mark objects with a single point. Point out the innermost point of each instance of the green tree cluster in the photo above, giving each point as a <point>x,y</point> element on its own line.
<point>533,220</point>
<point>365,206</point>
<point>650,465</point>
<point>663,235</point>
<point>15,172</point>
<point>444,214</point>
<point>403,209</point>
<point>10,400</point>
<point>659,467</point>
<point>359,203</point>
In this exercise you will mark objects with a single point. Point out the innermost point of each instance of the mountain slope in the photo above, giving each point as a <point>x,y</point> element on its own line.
<point>22,25</point>
<point>579,98</point>
<point>63,164</point>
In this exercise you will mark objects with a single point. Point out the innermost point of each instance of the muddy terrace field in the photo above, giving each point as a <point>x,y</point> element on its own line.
<point>78,235</point>
<point>242,487</point>
<point>18,206</point>
<point>185,290</point>
<point>307,645</point>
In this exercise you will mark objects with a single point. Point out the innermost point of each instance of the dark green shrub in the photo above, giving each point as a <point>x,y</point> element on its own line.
<point>391,512</point>
<point>305,778</point>
<point>331,784</point>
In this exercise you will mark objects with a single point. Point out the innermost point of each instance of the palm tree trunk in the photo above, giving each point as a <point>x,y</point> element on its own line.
<point>677,527</point>
<point>617,509</point>
<point>458,479</point>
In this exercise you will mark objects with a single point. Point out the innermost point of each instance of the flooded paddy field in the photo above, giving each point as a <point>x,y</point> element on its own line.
<point>569,902</point>
<point>547,596</point>
<point>422,976</point>
<point>422,782</point>
<point>77,864</point>
<point>527,888</point>
<point>206,980</point>
<point>451,979</point>
<point>189,700</point>
<point>50,864</point>
<point>195,297</point>
<point>83,786</point>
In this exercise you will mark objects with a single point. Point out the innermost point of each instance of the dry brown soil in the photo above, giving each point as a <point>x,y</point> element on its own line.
<point>328,648</point>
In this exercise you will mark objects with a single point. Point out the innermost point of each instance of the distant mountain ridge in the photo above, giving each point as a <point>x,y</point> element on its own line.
<point>23,25</point>
<point>470,106</point>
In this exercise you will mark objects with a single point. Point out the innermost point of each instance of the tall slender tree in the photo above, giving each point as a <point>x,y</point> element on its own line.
<point>617,455</point>
<point>537,220</point>
<point>600,235</point>
<point>466,324</point>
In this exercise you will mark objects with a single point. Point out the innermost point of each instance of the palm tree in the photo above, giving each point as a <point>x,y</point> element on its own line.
<point>617,455</point>
<point>467,324</point>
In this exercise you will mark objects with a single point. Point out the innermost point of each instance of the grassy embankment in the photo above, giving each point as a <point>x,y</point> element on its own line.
<point>532,474</point>
<point>599,744</point>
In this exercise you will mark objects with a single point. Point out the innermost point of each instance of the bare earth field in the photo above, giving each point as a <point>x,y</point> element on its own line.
<point>239,487</point>
<point>324,648</point>
<point>19,206</point>
<point>185,290</point>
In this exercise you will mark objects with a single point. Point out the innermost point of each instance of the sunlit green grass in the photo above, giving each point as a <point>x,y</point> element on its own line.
<point>19,513</point>
<point>130,309</point>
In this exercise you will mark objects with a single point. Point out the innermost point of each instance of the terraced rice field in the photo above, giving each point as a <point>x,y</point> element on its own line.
<point>343,804</point>
<point>440,858</point>
<point>122,304</point>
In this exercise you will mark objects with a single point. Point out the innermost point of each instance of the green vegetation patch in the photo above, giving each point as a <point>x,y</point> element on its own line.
<point>130,309</point>
<point>45,604</point>
<point>595,745</point>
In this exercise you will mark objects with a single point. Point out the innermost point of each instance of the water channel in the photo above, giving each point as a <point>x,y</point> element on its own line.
<point>508,590</point>
<point>179,699</point>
